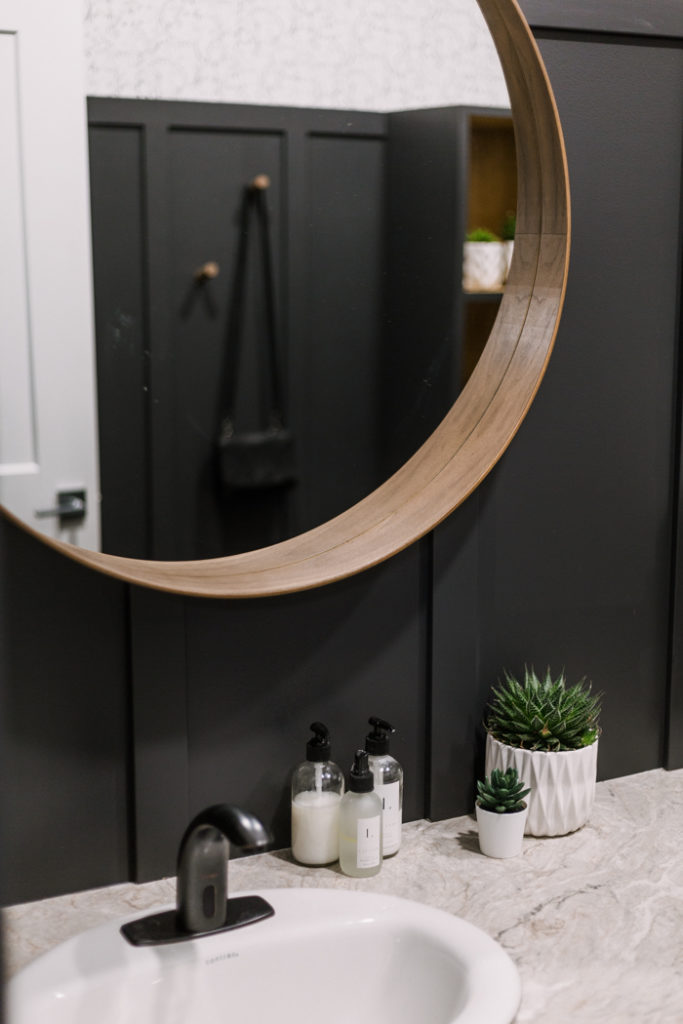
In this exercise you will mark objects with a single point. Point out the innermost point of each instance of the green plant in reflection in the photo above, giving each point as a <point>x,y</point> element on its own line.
<point>481,235</point>
<point>509,226</point>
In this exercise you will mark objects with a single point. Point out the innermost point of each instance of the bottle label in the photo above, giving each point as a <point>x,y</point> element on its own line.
<point>390,795</point>
<point>368,840</point>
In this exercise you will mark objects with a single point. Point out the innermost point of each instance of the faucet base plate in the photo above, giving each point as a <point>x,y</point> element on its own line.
<point>164,927</point>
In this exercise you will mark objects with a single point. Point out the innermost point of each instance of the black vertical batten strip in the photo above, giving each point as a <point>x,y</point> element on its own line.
<point>297,322</point>
<point>145,188</point>
<point>129,699</point>
<point>426,603</point>
<point>160,394</point>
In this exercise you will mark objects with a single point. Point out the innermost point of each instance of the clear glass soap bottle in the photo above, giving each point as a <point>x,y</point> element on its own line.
<point>388,776</point>
<point>317,788</point>
<point>360,823</point>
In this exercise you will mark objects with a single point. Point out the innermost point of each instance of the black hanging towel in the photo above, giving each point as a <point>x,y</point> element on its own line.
<point>257,459</point>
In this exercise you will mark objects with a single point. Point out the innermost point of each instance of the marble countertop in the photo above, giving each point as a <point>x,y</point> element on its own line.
<point>593,920</point>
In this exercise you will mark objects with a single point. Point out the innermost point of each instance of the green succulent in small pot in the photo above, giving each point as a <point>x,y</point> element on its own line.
<point>502,792</point>
<point>501,813</point>
<point>549,732</point>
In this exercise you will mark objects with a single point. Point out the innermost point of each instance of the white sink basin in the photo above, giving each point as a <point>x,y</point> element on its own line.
<point>329,955</point>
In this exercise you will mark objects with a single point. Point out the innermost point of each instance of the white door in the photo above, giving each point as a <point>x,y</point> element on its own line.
<point>48,423</point>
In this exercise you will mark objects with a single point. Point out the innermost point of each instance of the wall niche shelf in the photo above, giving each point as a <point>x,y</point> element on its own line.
<point>451,169</point>
<point>488,142</point>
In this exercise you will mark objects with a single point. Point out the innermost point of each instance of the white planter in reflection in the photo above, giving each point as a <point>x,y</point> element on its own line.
<point>483,266</point>
<point>500,835</point>
<point>508,249</point>
<point>562,784</point>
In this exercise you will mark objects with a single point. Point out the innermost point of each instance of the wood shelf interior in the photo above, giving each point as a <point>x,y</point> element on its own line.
<point>492,172</point>
<point>492,194</point>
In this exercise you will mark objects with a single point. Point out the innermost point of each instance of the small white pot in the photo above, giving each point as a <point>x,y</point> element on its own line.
<point>562,784</point>
<point>483,266</point>
<point>501,835</point>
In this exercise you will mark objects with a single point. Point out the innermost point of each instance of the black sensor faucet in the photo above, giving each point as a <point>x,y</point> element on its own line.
<point>202,863</point>
<point>202,905</point>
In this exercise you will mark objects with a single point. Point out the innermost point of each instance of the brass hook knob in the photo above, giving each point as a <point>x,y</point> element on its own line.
<point>207,271</point>
<point>261,181</point>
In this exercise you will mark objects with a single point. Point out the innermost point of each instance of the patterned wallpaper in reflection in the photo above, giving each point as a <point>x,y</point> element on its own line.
<point>355,54</point>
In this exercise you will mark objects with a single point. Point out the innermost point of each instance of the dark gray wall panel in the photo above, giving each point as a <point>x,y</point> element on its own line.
<point>426,158</point>
<point>569,560</point>
<point>674,741</point>
<point>159,801</point>
<point>342,327</point>
<point>119,252</point>
<point>206,174</point>
<point>636,17</point>
<point>674,745</point>
<point>225,693</point>
<point>622,119</point>
<point>458,688</point>
<point>64,727</point>
<point>260,672</point>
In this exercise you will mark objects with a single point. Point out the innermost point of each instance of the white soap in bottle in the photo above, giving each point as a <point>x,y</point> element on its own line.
<point>317,788</point>
<point>360,823</point>
<point>388,776</point>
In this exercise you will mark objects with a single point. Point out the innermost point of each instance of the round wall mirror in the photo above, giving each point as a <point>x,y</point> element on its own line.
<point>452,393</point>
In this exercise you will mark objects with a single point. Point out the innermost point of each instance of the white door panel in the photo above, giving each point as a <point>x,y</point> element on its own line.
<point>48,434</point>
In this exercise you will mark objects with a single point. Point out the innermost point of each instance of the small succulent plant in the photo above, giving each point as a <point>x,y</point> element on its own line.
<point>544,714</point>
<point>481,235</point>
<point>502,793</point>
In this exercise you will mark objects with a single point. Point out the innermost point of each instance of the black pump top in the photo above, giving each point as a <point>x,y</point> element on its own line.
<point>360,779</point>
<point>377,742</point>
<point>318,747</point>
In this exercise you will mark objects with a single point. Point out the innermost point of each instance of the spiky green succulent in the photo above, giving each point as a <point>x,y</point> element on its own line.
<point>502,793</point>
<point>544,714</point>
<point>481,235</point>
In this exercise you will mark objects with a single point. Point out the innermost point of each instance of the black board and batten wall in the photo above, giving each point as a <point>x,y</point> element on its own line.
<point>124,710</point>
<point>168,182</point>
<point>364,209</point>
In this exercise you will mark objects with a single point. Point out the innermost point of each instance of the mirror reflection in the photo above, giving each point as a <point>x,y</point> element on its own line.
<point>280,194</point>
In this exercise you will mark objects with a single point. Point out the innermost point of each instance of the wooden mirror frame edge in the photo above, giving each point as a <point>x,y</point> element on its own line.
<point>484,419</point>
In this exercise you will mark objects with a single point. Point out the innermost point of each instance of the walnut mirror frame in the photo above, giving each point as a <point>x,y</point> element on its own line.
<point>484,419</point>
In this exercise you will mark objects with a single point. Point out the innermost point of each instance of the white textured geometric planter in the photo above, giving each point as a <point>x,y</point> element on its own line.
<point>508,250</point>
<point>483,266</point>
<point>562,784</point>
<point>500,835</point>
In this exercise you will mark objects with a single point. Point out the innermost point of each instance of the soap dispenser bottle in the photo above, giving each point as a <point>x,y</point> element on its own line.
<point>317,788</point>
<point>360,823</point>
<point>388,776</point>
